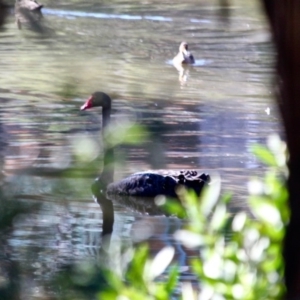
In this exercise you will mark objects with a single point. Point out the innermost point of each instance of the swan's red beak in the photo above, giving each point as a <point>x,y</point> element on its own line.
<point>88,104</point>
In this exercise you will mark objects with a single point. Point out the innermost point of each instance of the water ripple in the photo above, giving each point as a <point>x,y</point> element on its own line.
<point>83,14</point>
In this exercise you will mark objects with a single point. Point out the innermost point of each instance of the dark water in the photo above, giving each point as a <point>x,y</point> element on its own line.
<point>206,117</point>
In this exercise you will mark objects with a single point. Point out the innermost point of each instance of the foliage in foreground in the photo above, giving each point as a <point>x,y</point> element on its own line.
<point>239,256</point>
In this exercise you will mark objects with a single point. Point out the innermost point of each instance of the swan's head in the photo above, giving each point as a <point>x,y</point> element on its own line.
<point>97,99</point>
<point>184,48</point>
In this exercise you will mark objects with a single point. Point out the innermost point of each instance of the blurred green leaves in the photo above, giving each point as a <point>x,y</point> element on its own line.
<point>264,155</point>
<point>139,277</point>
<point>125,132</point>
<point>239,255</point>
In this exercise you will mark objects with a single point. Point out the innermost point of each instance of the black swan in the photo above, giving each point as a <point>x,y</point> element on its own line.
<point>184,56</point>
<point>142,184</point>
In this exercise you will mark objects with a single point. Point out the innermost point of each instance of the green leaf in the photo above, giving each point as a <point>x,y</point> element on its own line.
<point>266,211</point>
<point>172,281</point>
<point>174,207</point>
<point>125,133</point>
<point>136,268</point>
<point>160,262</point>
<point>210,196</point>
<point>219,217</point>
<point>226,198</point>
<point>197,266</point>
<point>107,295</point>
<point>265,155</point>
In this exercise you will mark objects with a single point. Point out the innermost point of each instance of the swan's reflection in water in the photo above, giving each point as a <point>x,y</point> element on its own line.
<point>107,208</point>
<point>184,69</point>
<point>152,225</point>
<point>145,206</point>
<point>98,189</point>
<point>156,230</point>
<point>142,229</point>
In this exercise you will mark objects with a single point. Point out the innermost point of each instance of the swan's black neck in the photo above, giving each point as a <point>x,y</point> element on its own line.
<point>108,159</point>
<point>105,117</point>
<point>108,166</point>
<point>99,189</point>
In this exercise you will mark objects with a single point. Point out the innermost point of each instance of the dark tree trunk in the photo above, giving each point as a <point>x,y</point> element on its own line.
<point>3,12</point>
<point>284,17</point>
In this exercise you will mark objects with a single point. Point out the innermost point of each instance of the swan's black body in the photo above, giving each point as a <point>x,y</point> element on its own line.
<point>143,184</point>
<point>153,183</point>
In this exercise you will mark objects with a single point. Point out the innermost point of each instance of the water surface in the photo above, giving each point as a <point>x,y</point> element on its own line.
<point>204,117</point>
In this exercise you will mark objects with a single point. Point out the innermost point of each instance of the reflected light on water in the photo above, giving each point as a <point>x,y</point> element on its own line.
<point>207,120</point>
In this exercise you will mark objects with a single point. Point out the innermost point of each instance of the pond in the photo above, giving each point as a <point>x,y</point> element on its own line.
<point>205,117</point>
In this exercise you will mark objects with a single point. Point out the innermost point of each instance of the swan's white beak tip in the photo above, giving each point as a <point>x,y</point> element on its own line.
<point>83,107</point>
